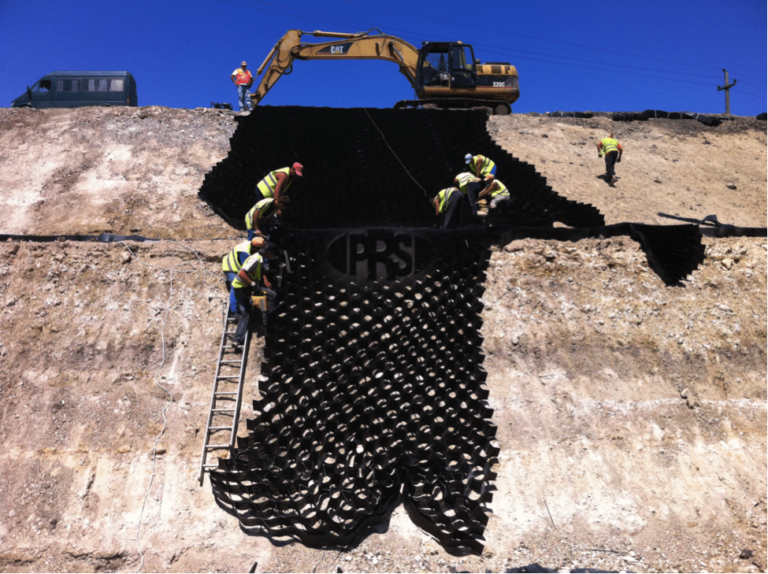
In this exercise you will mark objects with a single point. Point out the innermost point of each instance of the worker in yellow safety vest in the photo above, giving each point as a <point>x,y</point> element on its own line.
<point>481,166</point>
<point>260,218</point>
<point>277,182</point>
<point>452,205</point>
<point>498,194</point>
<point>233,261</point>
<point>250,278</point>
<point>470,186</point>
<point>612,150</point>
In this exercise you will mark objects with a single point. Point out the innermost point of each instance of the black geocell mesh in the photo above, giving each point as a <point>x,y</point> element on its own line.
<point>374,390</point>
<point>372,167</point>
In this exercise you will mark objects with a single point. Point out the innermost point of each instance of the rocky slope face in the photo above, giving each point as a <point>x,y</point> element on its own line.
<point>631,416</point>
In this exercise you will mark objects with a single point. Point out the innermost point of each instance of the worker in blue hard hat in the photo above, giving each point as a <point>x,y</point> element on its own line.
<point>483,167</point>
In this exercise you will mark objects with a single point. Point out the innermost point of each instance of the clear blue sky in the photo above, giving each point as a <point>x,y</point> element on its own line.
<point>570,55</point>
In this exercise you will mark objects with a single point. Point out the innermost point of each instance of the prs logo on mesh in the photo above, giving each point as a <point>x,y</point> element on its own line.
<point>379,255</point>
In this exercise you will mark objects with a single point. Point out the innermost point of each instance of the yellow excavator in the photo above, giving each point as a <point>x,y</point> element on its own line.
<point>443,74</point>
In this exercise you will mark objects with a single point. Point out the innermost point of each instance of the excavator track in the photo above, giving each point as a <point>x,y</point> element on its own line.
<point>491,107</point>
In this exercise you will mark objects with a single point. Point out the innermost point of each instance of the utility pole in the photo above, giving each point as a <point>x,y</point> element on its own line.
<point>727,92</point>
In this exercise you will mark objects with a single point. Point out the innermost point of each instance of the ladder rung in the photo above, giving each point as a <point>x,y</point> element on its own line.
<point>226,392</point>
<point>222,410</point>
<point>216,446</point>
<point>210,466</point>
<point>220,428</point>
<point>231,362</point>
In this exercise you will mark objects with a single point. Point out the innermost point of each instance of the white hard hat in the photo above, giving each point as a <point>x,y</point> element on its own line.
<point>468,158</point>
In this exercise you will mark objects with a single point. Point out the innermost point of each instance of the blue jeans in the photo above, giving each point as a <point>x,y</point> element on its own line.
<point>232,301</point>
<point>243,97</point>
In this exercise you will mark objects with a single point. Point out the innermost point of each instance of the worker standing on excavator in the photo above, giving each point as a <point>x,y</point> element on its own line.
<point>452,205</point>
<point>259,219</point>
<point>250,278</point>
<point>233,261</point>
<point>277,182</point>
<point>470,186</point>
<point>481,166</point>
<point>498,194</point>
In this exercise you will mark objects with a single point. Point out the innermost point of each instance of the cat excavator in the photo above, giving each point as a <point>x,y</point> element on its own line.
<point>443,74</point>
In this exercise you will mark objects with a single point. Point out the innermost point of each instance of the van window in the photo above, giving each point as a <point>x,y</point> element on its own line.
<point>42,87</point>
<point>116,86</point>
<point>95,86</point>
<point>67,85</point>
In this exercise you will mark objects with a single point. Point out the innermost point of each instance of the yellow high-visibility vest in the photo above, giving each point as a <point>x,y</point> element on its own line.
<point>254,262</point>
<point>502,190</point>
<point>268,184</point>
<point>481,165</point>
<point>231,261</point>
<point>464,179</point>
<point>442,197</point>
<point>609,145</point>
<point>265,207</point>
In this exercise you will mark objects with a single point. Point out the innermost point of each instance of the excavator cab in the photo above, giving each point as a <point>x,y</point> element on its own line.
<point>445,65</point>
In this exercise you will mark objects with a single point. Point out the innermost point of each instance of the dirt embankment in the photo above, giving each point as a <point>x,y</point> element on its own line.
<point>632,417</point>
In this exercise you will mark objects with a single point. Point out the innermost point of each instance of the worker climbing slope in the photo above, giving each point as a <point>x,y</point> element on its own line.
<point>277,182</point>
<point>612,150</point>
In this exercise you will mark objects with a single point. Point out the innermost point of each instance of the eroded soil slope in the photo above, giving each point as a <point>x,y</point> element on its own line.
<point>632,416</point>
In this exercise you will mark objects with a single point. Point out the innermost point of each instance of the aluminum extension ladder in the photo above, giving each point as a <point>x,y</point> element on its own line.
<point>227,396</point>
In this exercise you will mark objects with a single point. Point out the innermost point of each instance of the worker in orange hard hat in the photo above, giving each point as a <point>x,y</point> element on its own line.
<point>277,182</point>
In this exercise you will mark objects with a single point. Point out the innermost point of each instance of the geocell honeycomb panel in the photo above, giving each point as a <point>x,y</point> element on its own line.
<point>374,392</point>
<point>372,167</point>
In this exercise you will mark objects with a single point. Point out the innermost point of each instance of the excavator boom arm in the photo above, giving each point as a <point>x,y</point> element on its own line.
<point>360,46</point>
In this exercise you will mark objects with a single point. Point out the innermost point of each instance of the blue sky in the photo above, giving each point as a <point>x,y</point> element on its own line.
<point>571,56</point>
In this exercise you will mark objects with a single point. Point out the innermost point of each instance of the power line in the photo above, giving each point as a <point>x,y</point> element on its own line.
<point>612,71</point>
<point>485,29</point>
<point>763,97</point>
<point>749,83</point>
<point>601,63</point>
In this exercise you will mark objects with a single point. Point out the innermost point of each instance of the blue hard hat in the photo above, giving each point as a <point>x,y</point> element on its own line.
<point>468,158</point>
